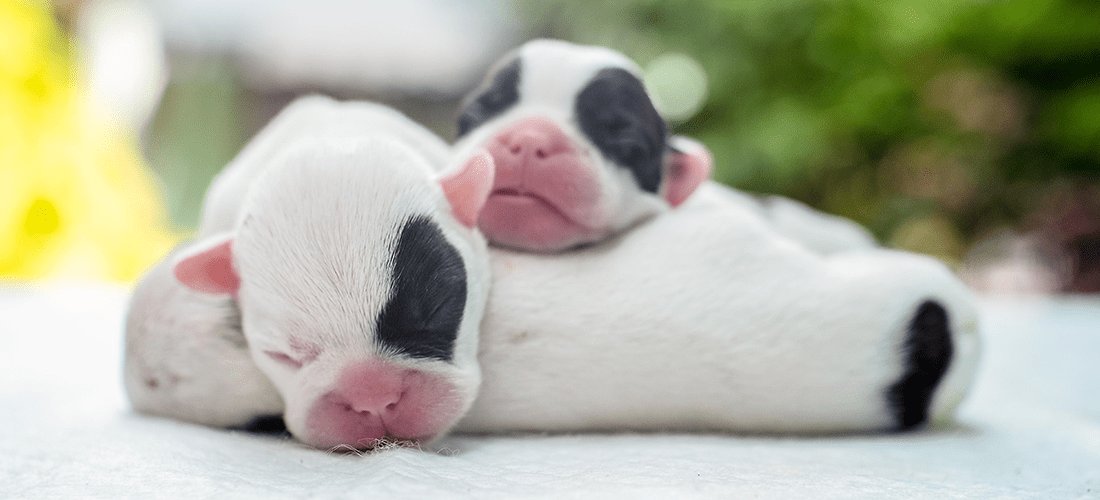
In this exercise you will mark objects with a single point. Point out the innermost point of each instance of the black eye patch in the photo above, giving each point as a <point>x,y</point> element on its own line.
<point>422,317</point>
<point>615,113</point>
<point>503,93</point>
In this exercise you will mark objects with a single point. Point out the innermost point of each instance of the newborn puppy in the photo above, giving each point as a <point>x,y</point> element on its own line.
<point>581,154</point>
<point>739,329</point>
<point>580,151</point>
<point>186,356</point>
<point>359,288</point>
<point>704,319</point>
<point>359,279</point>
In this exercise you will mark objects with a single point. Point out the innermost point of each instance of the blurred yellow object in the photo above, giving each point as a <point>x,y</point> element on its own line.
<point>76,199</point>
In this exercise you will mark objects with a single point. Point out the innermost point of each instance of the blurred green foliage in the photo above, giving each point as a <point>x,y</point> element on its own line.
<point>196,131</point>
<point>932,122</point>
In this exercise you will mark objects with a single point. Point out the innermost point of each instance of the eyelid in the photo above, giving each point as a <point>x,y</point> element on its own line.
<point>306,351</point>
<point>284,359</point>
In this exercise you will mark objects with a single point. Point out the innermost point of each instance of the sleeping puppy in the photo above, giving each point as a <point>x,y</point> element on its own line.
<point>187,358</point>
<point>582,154</point>
<point>164,315</point>
<point>359,279</point>
<point>739,329</point>
<point>717,314</point>
<point>185,354</point>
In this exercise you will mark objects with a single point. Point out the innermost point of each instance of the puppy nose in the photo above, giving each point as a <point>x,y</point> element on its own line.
<point>369,390</point>
<point>379,402</point>
<point>373,399</point>
<point>529,142</point>
<point>537,138</point>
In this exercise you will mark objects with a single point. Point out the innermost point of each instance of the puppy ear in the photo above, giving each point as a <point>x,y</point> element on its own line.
<point>687,165</point>
<point>207,266</point>
<point>468,185</point>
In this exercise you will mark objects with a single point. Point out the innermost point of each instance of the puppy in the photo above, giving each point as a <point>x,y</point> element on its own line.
<point>898,324</point>
<point>359,279</point>
<point>582,154</point>
<point>704,319</point>
<point>187,358</point>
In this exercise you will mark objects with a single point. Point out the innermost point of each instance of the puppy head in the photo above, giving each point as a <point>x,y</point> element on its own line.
<point>580,151</point>
<point>361,286</point>
<point>187,358</point>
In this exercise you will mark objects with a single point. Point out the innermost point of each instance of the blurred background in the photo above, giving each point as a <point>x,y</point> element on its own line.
<point>964,129</point>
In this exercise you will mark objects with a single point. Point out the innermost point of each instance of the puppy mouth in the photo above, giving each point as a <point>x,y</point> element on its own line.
<point>515,198</point>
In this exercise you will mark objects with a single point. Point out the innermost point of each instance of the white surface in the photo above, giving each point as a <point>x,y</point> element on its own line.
<point>1030,430</point>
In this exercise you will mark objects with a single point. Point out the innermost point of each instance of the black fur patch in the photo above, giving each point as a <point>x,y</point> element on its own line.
<point>615,112</point>
<point>928,353</point>
<point>265,424</point>
<point>422,317</point>
<point>502,93</point>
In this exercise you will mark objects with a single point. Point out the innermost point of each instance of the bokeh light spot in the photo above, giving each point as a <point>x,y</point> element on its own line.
<point>678,84</point>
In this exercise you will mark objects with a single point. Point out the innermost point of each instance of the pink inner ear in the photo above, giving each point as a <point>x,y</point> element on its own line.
<point>209,269</point>
<point>468,186</point>
<point>685,171</point>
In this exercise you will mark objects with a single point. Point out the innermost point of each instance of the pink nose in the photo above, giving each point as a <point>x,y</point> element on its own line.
<point>378,403</point>
<point>369,389</point>
<point>533,138</point>
<point>372,399</point>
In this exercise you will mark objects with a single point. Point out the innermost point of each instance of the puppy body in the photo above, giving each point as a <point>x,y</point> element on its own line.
<point>676,325</point>
<point>818,232</point>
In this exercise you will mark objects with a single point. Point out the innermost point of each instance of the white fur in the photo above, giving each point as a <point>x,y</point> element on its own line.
<point>309,117</point>
<point>186,356</point>
<point>706,319</point>
<point>819,232</point>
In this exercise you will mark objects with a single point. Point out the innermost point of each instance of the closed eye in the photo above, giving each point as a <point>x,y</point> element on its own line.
<point>284,359</point>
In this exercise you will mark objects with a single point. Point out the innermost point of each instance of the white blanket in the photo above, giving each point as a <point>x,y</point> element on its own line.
<point>1031,429</point>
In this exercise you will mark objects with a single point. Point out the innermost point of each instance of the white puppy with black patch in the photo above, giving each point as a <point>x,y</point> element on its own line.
<point>739,329</point>
<point>358,275</point>
<point>582,154</point>
<point>166,369</point>
<point>682,303</point>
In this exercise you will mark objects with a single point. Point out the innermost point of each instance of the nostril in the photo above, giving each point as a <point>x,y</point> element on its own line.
<point>368,403</point>
<point>541,153</point>
<point>515,149</point>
